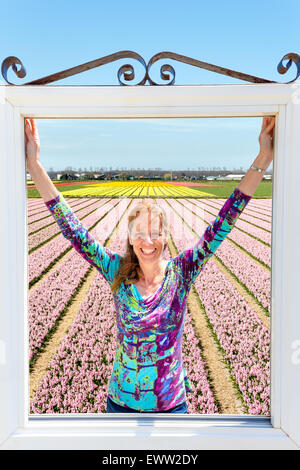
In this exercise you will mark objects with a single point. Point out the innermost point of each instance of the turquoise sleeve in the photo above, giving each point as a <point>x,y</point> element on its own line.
<point>192,261</point>
<point>105,260</point>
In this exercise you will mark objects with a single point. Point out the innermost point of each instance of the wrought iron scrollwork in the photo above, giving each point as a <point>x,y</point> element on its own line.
<point>127,70</point>
<point>292,58</point>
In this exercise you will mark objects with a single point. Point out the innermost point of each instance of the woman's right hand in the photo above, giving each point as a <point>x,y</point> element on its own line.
<point>32,142</point>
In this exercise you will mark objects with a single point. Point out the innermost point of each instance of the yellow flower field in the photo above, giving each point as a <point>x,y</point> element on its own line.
<point>135,189</point>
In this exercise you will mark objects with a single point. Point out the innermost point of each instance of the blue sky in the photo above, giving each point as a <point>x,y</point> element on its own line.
<point>250,37</point>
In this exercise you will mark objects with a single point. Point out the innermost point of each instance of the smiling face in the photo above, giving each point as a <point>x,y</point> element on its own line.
<point>147,236</point>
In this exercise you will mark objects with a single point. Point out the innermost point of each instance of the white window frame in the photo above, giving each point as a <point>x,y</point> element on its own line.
<point>18,429</point>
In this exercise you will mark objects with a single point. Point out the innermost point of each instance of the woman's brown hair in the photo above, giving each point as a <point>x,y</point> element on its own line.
<point>129,269</point>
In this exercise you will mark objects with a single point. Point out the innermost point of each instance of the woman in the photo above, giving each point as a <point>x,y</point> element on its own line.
<point>150,293</point>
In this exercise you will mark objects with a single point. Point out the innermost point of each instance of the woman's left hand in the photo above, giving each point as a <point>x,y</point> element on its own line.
<point>266,139</point>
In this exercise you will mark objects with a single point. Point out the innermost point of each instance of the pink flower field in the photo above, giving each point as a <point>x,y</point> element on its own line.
<point>233,291</point>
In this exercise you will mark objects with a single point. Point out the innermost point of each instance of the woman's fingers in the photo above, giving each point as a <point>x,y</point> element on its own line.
<point>270,125</point>
<point>27,128</point>
<point>27,125</point>
<point>33,123</point>
<point>31,127</point>
<point>265,123</point>
<point>34,127</point>
<point>30,122</point>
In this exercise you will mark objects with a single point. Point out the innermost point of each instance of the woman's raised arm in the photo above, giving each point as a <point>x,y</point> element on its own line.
<point>253,177</point>
<point>191,261</point>
<point>38,174</point>
<point>106,261</point>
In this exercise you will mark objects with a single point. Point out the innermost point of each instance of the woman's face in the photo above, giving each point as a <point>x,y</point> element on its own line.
<point>147,237</point>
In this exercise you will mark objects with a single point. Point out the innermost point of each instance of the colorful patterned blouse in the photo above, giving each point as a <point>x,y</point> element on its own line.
<point>148,373</point>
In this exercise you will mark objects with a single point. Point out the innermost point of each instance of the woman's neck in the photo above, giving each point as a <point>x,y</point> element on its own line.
<point>148,274</point>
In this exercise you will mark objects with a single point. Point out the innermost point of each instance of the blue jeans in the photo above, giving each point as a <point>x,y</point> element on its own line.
<point>113,407</point>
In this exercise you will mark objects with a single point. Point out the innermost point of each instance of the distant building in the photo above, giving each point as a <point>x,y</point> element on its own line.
<point>100,176</point>
<point>66,176</point>
<point>239,177</point>
<point>233,177</point>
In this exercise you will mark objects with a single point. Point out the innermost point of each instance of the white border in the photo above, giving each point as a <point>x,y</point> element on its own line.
<point>17,430</point>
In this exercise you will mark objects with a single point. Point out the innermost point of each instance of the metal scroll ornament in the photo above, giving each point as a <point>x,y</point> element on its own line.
<point>127,70</point>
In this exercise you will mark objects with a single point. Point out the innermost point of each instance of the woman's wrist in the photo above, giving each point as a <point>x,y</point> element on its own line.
<point>262,161</point>
<point>253,177</point>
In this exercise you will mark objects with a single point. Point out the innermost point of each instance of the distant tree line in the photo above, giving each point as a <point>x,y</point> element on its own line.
<point>68,174</point>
